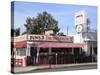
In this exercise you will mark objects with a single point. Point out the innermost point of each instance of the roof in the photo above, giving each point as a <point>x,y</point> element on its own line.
<point>92,36</point>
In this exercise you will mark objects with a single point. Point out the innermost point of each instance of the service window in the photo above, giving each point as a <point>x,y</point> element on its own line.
<point>21,51</point>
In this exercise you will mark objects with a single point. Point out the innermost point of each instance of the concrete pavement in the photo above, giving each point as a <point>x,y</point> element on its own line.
<point>30,68</point>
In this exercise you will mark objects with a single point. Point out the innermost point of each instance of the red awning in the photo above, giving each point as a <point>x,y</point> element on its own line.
<point>60,45</point>
<point>50,45</point>
<point>20,44</point>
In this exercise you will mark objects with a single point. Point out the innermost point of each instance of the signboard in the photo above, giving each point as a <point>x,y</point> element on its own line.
<point>59,38</point>
<point>19,38</point>
<point>79,28</point>
<point>37,37</point>
<point>43,38</point>
<point>80,18</point>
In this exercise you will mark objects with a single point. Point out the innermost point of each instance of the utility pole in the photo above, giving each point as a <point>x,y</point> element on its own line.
<point>67,29</point>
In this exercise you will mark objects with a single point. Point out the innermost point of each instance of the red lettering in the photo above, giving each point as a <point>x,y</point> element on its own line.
<point>50,38</point>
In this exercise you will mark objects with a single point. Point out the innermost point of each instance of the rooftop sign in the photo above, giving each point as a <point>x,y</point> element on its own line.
<point>80,17</point>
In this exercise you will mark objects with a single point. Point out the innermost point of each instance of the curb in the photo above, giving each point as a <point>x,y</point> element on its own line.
<point>62,66</point>
<point>53,67</point>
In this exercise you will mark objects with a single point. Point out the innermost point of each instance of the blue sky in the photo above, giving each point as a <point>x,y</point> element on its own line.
<point>63,13</point>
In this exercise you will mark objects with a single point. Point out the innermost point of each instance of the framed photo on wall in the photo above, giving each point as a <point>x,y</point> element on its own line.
<point>49,37</point>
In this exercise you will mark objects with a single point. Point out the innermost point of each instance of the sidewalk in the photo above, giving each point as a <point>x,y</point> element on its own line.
<point>29,68</point>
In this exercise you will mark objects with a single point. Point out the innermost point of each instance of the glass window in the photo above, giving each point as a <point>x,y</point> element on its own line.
<point>21,51</point>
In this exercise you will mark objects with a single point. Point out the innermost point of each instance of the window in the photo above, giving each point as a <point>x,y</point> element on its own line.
<point>21,51</point>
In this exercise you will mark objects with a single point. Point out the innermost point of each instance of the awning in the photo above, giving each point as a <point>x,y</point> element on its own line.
<point>49,45</point>
<point>60,45</point>
<point>20,44</point>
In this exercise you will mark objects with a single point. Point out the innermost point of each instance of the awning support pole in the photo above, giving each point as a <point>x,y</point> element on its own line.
<point>92,51</point>
<point>56,58</point>
<point>73,54</point>
<point>15,56</point>
<point>49,50</point>
<point>49,57</point>
<point>80,50</point>
<point>37,58</point>
<point>28,50</point>
<point>72,51</point>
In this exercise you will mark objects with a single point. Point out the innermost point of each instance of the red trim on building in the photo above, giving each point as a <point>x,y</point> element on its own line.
<point>20,44</point>
<point>59,45</point>
<point>50,45</point>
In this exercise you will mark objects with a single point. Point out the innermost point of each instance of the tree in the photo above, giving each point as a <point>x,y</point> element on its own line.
<point>28,25</point>
<point>43,21</point>
<point>61,34</point>
<point>12,32</point>
<point>15,32</point>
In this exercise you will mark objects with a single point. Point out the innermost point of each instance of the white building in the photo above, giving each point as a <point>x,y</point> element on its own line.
<point>90,41</point>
